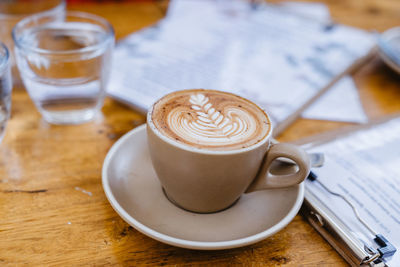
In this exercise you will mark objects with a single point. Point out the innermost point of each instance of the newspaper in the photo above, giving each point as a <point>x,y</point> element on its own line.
<point>270,54</point>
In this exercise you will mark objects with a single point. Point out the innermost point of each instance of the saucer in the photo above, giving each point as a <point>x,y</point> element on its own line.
<point>132,187</point>
<point>389,45</point>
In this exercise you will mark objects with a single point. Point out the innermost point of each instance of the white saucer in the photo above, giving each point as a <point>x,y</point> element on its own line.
<point>387,40</point>
<point>135,193</point>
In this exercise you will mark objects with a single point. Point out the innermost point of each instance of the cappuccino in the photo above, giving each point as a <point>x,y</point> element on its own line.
<point>211,120</point>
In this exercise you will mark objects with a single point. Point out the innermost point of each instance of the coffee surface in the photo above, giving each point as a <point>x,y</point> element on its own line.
<point>212,120</point>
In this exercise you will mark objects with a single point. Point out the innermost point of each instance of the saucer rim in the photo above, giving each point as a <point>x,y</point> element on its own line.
<point>179,242</point>
<point>389,62</point>
<point>388,35</point>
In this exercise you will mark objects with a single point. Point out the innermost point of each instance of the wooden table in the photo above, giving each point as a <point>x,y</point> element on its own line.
<point>46,218</point>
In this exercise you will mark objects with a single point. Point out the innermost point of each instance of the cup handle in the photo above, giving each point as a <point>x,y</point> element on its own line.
<point>265,179</point>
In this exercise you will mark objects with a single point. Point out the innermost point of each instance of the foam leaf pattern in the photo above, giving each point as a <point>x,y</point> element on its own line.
<point>212,125</point>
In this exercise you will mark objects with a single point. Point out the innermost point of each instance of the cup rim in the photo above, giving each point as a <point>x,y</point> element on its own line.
<point>5,61</point>
<point>110,33</point>
<point>60,6</point>
<point>205,151</point>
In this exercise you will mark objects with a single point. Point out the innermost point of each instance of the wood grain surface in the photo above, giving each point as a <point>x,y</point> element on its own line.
<point>53,210</point>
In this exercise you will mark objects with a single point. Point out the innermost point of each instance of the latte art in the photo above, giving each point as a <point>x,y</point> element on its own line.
<point>210,119</point>
<point>208,126</point>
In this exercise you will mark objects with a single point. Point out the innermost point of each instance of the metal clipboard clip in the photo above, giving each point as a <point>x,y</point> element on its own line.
<point>355,251</point>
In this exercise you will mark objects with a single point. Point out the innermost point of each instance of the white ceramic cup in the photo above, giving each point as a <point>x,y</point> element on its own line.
<point>205,181</point>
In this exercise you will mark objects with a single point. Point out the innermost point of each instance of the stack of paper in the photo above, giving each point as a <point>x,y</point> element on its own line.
<point>272,55</point>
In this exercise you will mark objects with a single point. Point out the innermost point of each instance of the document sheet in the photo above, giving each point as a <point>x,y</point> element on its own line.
<point>269,54</point>
<point>365,167</point>
<point>340,103</point>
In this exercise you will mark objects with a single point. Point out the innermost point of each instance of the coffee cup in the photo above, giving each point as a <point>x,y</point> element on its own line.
<point>209,147</point>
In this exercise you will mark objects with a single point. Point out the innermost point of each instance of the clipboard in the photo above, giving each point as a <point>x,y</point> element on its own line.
<point>327,223</point>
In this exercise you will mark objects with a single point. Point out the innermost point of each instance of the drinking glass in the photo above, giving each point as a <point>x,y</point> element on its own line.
<point>64,64</point>
<point>12,11</point>
<point>5,88</point>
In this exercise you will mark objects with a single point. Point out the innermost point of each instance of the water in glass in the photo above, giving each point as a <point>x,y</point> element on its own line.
<point>65,68</point>
<point>5,89</point>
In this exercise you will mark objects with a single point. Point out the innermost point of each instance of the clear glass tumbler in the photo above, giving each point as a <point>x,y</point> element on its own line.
<point>12,11</point>
<point>64,64</point>
<point>5,88</point>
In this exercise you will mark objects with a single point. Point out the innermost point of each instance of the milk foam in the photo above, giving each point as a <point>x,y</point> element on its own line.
<point>210,119</point>
<point>210,127</point>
